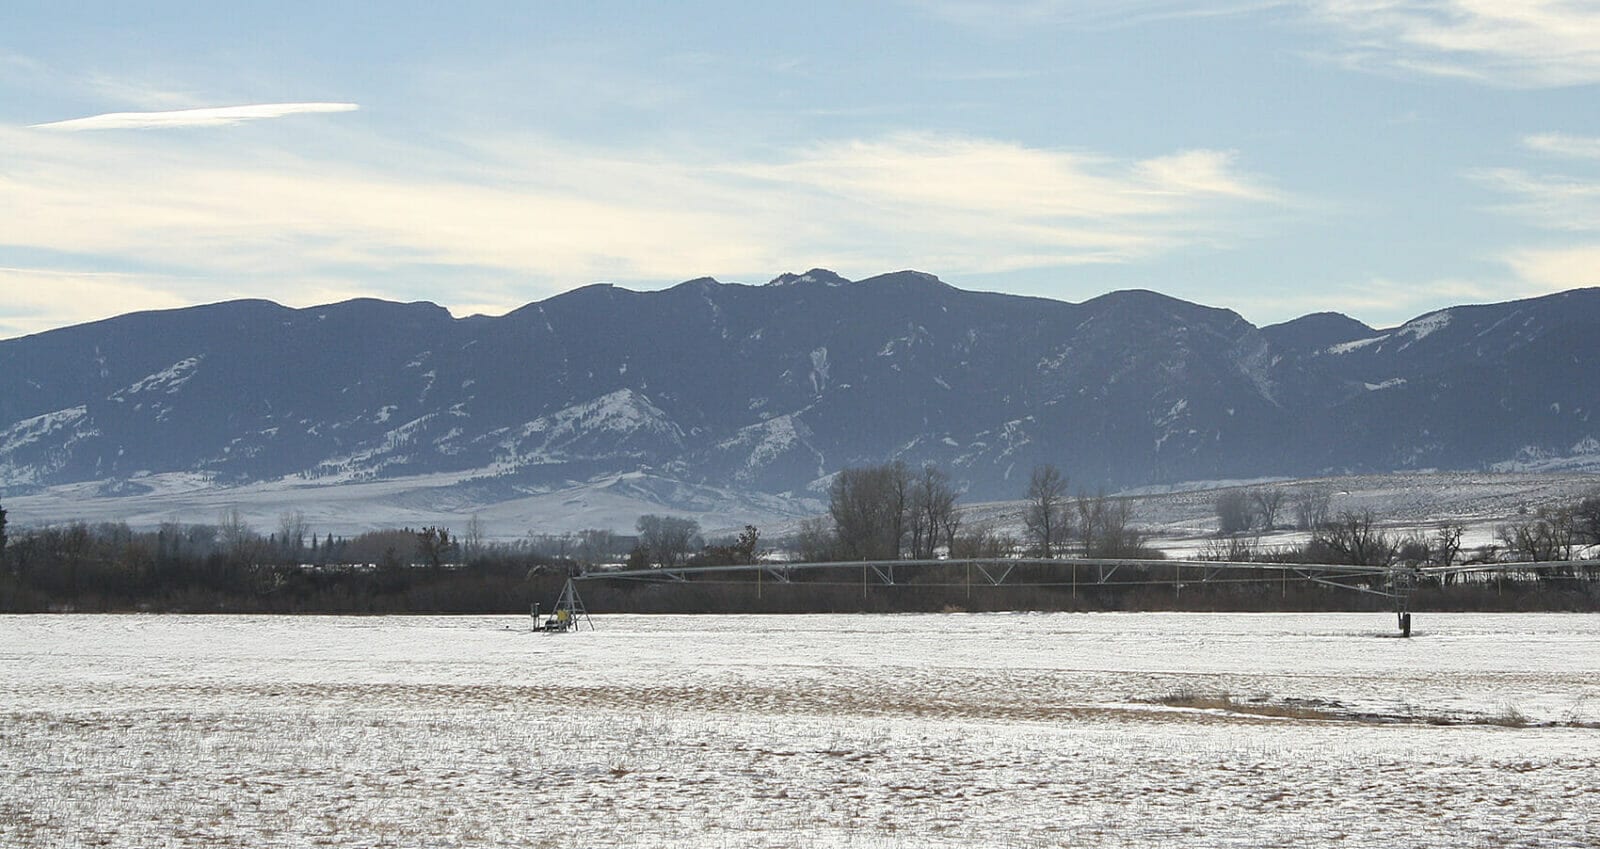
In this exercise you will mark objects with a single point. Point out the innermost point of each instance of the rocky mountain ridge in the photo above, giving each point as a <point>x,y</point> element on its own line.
<point>770,389</point>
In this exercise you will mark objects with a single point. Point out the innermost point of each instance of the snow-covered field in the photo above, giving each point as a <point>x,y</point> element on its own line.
<point>1179,519</point>
<point>873,731</point>
<point>447,500</point>
<point>1182,520</point>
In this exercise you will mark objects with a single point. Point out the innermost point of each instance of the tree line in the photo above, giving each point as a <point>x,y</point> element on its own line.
<point>880,512</point>
<point>1552,533</point>
<point>230,566</point>
<point>892,512</point>
<point>227,566</point>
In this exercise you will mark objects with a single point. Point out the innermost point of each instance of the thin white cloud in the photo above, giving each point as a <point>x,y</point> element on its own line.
<point>1560,204</point>
<point>39,299</point>
<point>1562,144</point>
<point>1565,205</point>
<point>1512,43</point>
<point>1558,268</point>
<point>219,116</point>
<point>1017,16</point>
<point>1382,302</point>
<point>527,216</point>
<point>971,205</point>
<point>1554,202</point>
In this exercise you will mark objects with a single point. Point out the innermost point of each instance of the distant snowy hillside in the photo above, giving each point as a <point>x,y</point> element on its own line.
<point>765,391</point>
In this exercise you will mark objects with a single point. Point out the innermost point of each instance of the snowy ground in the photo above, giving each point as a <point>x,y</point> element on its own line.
<point>446,500</point>
<point>1180,519</point>
<point>872,731</point>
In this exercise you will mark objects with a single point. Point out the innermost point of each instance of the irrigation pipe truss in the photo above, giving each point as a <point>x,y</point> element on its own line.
<point>1396,582</point>
<point>997,571</point>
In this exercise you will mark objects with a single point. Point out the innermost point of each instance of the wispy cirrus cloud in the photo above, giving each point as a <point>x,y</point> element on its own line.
<point>1511,43</point>
<point>1563,144</point>
<point>1551,200</point>
<point>1023,15</point>
<point>218,116</point>
<point>973,205</point>
<point>1564,205</point>
<point>39,299</point>
<point>521,217</point>
<point>1381,301</point>
<point>1557,268</point>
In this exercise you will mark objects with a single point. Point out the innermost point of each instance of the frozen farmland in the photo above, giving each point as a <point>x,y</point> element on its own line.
<point>1134,730</point>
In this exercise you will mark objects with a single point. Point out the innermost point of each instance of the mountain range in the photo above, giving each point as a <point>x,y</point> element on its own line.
<point>762,392</point>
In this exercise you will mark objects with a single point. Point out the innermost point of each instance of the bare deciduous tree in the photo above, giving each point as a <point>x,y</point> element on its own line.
<point>814,541</point>
<point>1232,549</point>
<point>1353,538</point>
<point>1045,519</point>
<point>435,546</point>
<point>235,534</point>
<point>292,530</point>
<point>1445,547</point>
<point>472,539</point>
<point>1586,520</point>
<point>1312,507</point>
<point>558,546</point>
<point>981,541</point>
<point>949,527</point>
<point>738,551</point>
<point>1546,537</point>
<point>1233,512</point>
<point>868,508</point>
<point>1267,501</point>
<point>1446,544</point>
<point>933,509</point>
<point>1110,531</point>
<point>596,545</point>
<point>668,539</point>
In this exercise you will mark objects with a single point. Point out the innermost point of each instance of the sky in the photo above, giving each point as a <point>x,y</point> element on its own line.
<point>1376,158</point>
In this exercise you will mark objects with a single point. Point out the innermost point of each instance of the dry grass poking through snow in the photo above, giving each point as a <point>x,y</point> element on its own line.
<point>1320,710</point>
<point>802,733</point>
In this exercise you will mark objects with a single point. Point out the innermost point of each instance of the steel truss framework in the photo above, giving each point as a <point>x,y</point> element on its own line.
<point>1396,582</point>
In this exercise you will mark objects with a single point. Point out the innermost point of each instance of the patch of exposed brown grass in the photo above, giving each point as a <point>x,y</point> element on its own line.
<point>1287,709</point>
<point>1318,710</point>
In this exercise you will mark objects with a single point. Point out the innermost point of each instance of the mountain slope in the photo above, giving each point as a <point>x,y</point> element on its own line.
<point>773,388</point>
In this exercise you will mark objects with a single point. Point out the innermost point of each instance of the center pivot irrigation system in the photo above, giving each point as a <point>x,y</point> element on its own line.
<point>1396,582</point>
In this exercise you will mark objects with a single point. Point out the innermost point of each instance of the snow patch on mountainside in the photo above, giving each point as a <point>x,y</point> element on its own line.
<point>819,370</point>
<point>370,462</point>
<point>1421,328</point>
<point>1171,424</point>
<point>1355,345</point>
<point>623,411</point>
<point>1256,364</point>
<point>765,443</point>
<point>169,380</point>
<point>29,431</point>
<point>63,428</point>
<point>996,446</point>
<point>1417,329</point>
<point>620,423</point>
<point>1582,456</point>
